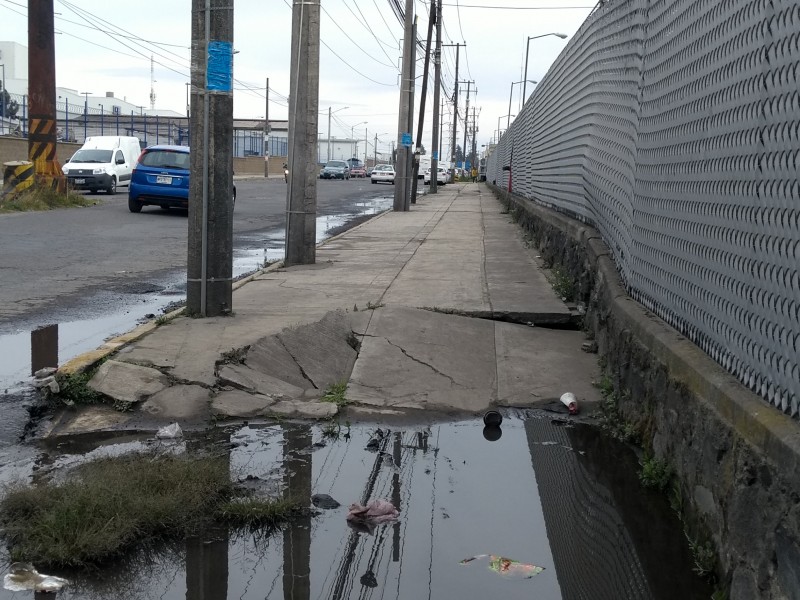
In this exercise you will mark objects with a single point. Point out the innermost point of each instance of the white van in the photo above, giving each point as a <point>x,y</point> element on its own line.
<point>103,163</point>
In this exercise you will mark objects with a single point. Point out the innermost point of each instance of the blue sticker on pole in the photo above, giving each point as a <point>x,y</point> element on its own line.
<point>405,140</point>
<point>435,155</point>
<point>219,69</point>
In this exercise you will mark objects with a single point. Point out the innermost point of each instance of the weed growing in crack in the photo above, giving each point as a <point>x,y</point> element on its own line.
<point>562,284</point>
<point>336,394</point>
<point>704,557</point>
<point>371,306</point>
<point>234,356</point>
<point>655,474</point>
<point>611,418</point>
<point>75,389</point>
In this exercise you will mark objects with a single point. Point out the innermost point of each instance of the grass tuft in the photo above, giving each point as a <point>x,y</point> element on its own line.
<point>655,474</point>
<point>336,394</point>
<point>43,198</point>
<point>107,506</point>
<point>75,389</point>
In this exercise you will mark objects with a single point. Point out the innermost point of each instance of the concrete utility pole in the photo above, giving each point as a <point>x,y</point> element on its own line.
<point>466,123</point>
<point>411,93</point>
<point>401,184</point>
<point>266,132</point>
<point>329,133</point>
<point>301,193</point>
<point>437,76</point>
<point>455,110</point>
<point>210,260</point>
<point>43,136</point>
<point>423,97</point>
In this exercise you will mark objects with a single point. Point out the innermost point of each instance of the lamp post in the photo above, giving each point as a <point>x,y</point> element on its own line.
<point>352,134</point>
<point>85,112</point>
<point>510,94</point>
<point>563,36</point>
<point>329,127</point>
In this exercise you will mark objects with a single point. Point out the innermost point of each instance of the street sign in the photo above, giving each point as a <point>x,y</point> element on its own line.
<point>405,140</point>
<point>435,155</point>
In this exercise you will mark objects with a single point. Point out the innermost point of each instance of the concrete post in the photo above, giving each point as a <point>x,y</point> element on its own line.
<point>437,76</point>
<point>210,259</point>
<point>412,64</point>
<point>401,187</point>
<point>266,132</point>
<point>301,193</point>
<point>422,99</point>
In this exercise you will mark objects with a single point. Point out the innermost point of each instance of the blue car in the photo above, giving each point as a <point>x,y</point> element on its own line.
<point>160,178</point>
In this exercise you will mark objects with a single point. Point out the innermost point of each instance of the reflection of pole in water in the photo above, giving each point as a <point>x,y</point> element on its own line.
<point>207,556</point>
<point>297,537</point>
<point>396,497</point>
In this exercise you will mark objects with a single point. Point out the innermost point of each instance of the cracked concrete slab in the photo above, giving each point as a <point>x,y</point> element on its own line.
<point>270,357</point>
<point>253,380</point>
<point>302,410</point>
<point>240,405</point>
<point>536,365</point>
<point>128,383</point>
<point>414,358</point>
<point>178,403</point>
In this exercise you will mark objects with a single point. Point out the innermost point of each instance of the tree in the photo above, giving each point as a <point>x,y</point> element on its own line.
<point>8,106</point>
<point>459,157</point>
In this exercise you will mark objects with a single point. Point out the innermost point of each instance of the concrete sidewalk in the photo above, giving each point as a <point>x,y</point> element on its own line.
<point>443,307</point>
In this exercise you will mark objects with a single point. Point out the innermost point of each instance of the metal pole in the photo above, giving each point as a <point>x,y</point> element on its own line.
<point>524,77</point>
<point>422,100</point>
<point>266,132</point>
<point>329,133</point>
<point>102,124</point>
<point>66,113</point>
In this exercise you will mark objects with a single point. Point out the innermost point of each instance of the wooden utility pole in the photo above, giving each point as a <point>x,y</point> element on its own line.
<point>401,183</point>
<point>301,194</point>
<point>437,76</point>
<point>210,261</point>
<point>422,99</point>
<point>42,137</point>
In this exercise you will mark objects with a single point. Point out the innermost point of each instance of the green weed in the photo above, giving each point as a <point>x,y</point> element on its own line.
<point>704,557</point>
<point>562,283</point>
<point>43,198</point>
<point>655,474</point>
<point>336,394</point>
<point>75,389</point>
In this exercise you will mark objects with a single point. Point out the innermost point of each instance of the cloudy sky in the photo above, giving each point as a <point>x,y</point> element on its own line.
<point>107,46</point>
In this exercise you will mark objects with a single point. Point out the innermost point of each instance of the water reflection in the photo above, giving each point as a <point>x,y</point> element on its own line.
<point>561,498</point>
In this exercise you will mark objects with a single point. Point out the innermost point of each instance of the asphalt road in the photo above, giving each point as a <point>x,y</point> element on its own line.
<point>74,263</point>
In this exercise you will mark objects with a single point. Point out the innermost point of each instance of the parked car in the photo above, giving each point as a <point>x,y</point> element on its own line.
<point>335,169</point>
<point>161,178</point>
<point>383,173</point>
<point>357,168</point>
<point>441,177</point>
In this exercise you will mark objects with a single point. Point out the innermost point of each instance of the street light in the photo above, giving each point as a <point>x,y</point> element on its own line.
<point>500,131</point>
<point>329,127</point>
<point>352,134</point>
<point>509,98</point>
<point>85,111</point>
<point>563,36</point>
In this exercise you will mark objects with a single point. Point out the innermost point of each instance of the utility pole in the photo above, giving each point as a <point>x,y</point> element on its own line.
<point>266,132</point>
<point>437,76</point>
<point>412,90</point>
<point>301,194</point>
<point>329,133</point>
<point>43,136</point>
<point>210,260</point>
<point>401,187</point>
<point>375,152</point>
<point>466,122</point>
<point>422,99</point>
<point>455,109</point>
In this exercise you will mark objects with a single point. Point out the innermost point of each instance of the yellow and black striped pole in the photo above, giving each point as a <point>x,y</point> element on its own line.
<point>42,96</point>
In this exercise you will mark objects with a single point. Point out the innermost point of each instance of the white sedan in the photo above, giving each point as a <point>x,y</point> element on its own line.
<point>383,173</point>
<point>441,176</point>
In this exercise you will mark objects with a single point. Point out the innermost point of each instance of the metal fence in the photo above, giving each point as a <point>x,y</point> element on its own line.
<point>673,126</point>
<point>75,124</point>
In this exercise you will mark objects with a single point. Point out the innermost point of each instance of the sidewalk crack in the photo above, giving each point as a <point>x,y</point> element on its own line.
<point>299,366</point>
<point>422,362</point>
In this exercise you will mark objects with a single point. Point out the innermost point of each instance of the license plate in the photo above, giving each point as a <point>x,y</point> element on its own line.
<point>164,179</point>
<point>80,181</point>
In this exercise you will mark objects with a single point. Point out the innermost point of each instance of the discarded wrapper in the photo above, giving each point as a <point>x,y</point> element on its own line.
<point>24,577</point>
<point>569,400</point>
<point>169,432</point>
<point>505,566</point>
<point>366,518</point>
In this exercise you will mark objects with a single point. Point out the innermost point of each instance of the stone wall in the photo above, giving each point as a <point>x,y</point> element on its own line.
<point>736,459</point>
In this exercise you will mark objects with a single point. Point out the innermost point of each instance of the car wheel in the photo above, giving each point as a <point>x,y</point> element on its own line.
<point>134,206</point>
<point>373,181</point>
<point>112,189</point>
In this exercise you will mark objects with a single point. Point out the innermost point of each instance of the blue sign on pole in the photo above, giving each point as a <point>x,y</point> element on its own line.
<point>435,155</point>
<point>405,140</point>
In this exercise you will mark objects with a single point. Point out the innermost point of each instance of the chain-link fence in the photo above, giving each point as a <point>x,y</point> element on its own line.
<point>673,126</point>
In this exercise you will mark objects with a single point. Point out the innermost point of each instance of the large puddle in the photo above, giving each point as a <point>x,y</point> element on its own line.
<point>558,497</point>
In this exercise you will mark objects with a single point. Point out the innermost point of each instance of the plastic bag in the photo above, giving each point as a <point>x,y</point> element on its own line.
<point>24,577</point>
<point>169,432</point>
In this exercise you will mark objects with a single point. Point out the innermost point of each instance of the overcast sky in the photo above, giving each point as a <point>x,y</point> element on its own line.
<point>106,46</point>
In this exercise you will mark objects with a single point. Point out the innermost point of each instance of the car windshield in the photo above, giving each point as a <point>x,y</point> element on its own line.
<point>338,164</point>
<point>165,159</point>
<point>383,168</point>
<point>92,156</point>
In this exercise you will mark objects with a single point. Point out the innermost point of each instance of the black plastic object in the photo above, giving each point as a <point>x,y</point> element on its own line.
<point>492,418</point>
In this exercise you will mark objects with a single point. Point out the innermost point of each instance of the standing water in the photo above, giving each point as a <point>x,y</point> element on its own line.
<point>544,510</point>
